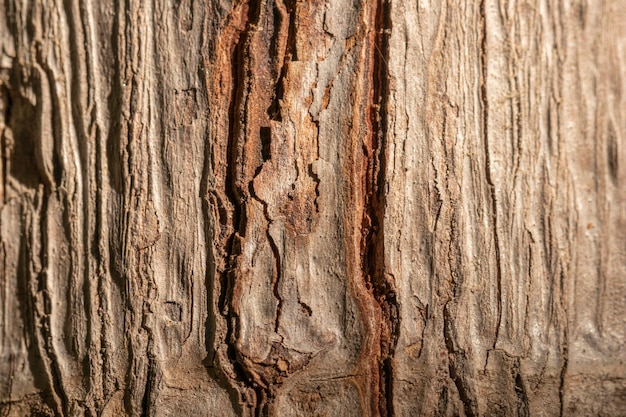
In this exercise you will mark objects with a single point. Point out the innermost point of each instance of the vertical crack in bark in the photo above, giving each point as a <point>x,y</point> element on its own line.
<point>222,196</point>
<point>238,192</point>
<point>458,366</point>
<point>285,21</point>
<point>379,281</point>
<point>278,274</point>
<point>492,189</point>
<point>564,350</point>
<point>5,96</point>
<point>232,193</point>
<point>523,409</point>
<point>148,402</point>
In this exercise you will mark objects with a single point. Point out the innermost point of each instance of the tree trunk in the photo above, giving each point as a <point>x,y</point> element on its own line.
<point>312,208</point>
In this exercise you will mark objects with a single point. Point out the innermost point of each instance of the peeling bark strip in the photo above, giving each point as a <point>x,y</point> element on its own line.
<point>294,208</point>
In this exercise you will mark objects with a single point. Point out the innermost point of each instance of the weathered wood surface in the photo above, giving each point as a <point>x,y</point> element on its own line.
<point>320,208</point>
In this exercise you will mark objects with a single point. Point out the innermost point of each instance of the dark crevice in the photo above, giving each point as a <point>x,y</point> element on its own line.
<point>458,366</point>
<point>255,402</point>
<point>379,281</point>
<point>315,178</point>
<point>5,95</point>
<point>149,396</point>
<point>549,127</point>
<point>291,51</point>
<point>387,378</point>
<point>522,397</point>
<point>612,152</point>
<point>237,193</point>
<point>290,54</point>
<point>23,120</point>
<point>564,352</point>
<point>114,107</point>
<point>265,135</point>
<point>306,308</point>
<point>442,404</point>
<point>277,278</point>
<point>237,116</point>
<point>562,377</point>
<point>211,319</point>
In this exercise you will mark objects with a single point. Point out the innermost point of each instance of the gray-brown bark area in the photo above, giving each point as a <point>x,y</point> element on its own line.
<point>312,208</point>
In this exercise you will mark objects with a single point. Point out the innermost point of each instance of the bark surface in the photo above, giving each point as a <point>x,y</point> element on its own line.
<point>312,208</point>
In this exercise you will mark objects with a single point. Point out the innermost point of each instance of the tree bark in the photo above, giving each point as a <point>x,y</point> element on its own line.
<point>312,208</point>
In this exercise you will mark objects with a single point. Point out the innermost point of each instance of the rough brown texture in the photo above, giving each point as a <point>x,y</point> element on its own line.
<point>312,208</point>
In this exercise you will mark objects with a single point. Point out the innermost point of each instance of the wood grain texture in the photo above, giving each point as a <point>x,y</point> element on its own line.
<point>324,208</point>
